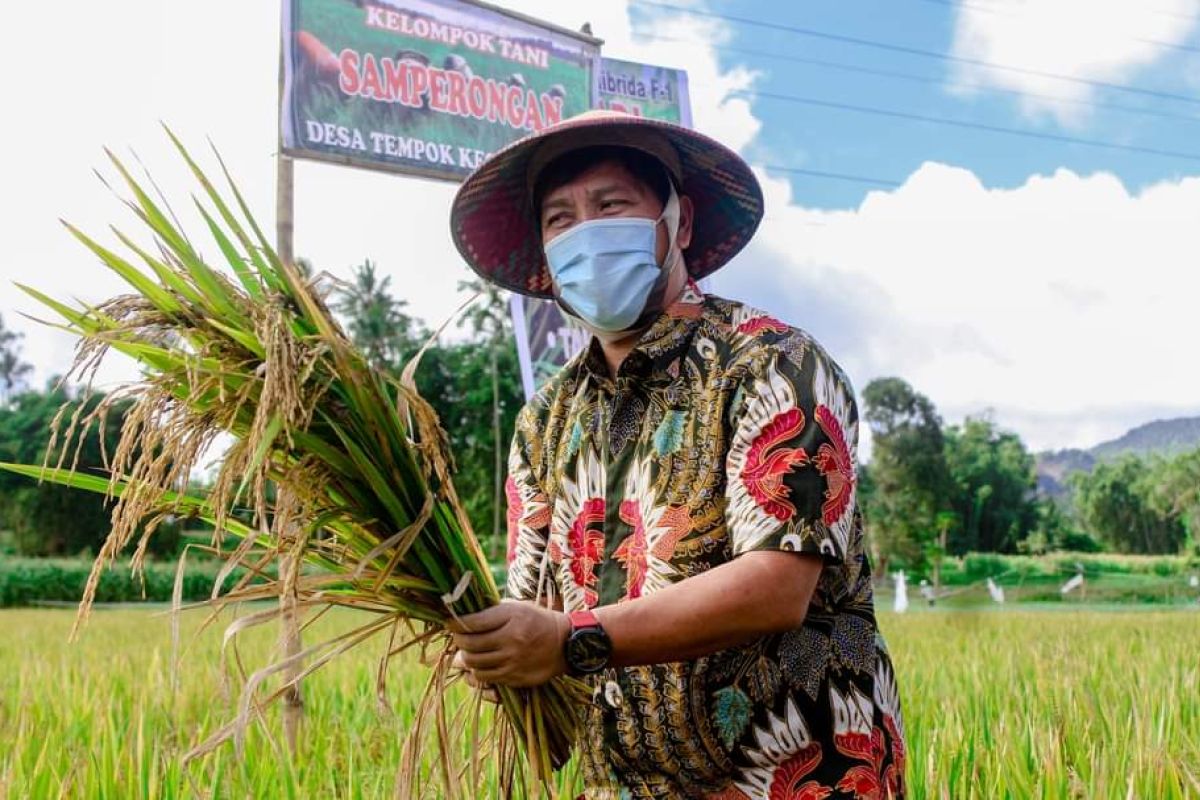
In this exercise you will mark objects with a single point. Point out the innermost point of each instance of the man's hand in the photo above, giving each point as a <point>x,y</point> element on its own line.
<point>515,643</point>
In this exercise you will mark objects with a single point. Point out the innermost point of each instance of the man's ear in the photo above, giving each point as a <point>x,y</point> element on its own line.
<point>686,214</point>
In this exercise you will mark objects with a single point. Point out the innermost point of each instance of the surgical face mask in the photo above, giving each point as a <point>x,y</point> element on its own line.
<point>605,270</point>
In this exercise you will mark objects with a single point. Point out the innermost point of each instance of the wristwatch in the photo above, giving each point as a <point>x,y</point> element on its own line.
<point>588,648</point>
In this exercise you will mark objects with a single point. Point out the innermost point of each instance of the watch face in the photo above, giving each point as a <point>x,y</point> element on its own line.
<point>588,650</point>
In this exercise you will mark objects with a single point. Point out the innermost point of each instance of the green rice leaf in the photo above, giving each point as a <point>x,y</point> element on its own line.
<point>223,209</point>
<point>131,274</point>
<point>243,338</point>
<point>236,262</point>
<point>80,319</point>
<point>166,274</point>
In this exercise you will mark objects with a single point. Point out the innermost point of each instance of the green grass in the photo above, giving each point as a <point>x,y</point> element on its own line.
<point>1016,704</point>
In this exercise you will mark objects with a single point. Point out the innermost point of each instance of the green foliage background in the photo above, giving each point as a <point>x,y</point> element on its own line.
<point>46,519</point>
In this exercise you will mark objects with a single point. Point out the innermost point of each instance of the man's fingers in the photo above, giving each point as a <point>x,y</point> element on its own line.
<point>488,692</point>
<point>489,675</point>
<point>481,642</point>
<point>488,660</point>
<point>489,619</point>
<point>502,677</point>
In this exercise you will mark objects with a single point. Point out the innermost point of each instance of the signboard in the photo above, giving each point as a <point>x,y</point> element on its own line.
<point>546,338</point>
<point>428,87</point>
<point>644,90</point>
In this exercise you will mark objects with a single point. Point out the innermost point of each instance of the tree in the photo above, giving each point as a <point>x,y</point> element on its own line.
<point>1057,529</point>
<point>377,321</point>
<point>47,519</point>
<point>994,481</point>
<point>909,482</point>
<point>1174,490</point>
<point>1116,503</point>
<point>490,322</point>
<point>453,379</point>
<point>13,371</point>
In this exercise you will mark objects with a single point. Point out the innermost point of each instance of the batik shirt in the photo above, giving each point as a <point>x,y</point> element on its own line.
<point>724,432</point>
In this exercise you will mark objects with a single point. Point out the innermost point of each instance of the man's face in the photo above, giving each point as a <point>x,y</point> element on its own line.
<point>608,190</point>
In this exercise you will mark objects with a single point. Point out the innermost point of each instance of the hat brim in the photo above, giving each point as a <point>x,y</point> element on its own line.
<point>494,227</point>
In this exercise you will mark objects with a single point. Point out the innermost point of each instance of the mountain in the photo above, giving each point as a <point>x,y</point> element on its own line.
<point>1162,436</point>
<point>1054,467</point>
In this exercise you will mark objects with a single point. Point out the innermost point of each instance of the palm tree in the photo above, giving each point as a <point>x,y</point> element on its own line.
<point>377,320</point>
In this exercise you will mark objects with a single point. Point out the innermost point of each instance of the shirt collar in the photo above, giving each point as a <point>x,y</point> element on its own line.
<point>658,350</point>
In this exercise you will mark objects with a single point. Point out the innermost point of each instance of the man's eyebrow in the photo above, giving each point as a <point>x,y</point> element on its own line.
<point>610,188</point>
<point>593,194</point>
<point>560,202</point>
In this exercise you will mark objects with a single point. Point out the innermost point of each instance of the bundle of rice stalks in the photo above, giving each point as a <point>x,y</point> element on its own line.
<point>339,475</point>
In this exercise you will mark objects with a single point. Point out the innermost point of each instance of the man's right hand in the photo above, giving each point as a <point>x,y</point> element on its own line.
<point>489,693</point>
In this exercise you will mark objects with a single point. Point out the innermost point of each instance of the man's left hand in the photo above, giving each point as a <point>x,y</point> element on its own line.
<point>515,643</point>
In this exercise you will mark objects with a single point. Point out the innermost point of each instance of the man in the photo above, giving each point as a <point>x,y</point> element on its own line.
<point>683,532</point>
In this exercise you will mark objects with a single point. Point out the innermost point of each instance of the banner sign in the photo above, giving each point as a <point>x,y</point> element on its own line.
<point>644,90</point>
<point>546,339</point>
<point>428,87</point>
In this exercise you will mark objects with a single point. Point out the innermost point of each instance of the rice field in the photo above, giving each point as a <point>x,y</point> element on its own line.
<point>998,704</point>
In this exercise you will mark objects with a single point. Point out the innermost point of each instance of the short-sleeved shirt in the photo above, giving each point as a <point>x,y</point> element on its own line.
<point>725,432</point>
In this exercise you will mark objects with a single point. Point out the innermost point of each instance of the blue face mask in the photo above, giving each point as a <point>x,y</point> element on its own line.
<point>605,270</point>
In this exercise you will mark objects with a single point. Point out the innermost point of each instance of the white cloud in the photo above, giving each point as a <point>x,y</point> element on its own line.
<point>1065,304</point>
<point>1098,41</point>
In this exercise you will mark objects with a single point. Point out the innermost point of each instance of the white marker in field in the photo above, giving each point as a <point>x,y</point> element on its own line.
<point>927,592</point>
<point>1194,581</point>
<point>1072,584</point>
<point>901,602</point>
<point>996,591</point>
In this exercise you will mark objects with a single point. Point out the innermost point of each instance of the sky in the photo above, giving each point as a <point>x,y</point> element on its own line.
<point>1021,239</point>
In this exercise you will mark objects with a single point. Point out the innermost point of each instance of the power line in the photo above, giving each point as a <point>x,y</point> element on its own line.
<point>896,48</point>
<point>1011,14</point>
<point>838,176</point>
<point>928,79</point>
<point>958,123</point>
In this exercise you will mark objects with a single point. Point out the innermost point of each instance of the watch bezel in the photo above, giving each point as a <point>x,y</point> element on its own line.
<point>581,641</point>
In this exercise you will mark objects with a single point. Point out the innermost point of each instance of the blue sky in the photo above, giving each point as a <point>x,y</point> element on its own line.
<point>848,142</point>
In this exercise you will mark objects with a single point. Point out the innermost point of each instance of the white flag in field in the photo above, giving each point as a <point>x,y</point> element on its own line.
<point>1072,584</point>
<point>996,591</point>
<point>901,602</point>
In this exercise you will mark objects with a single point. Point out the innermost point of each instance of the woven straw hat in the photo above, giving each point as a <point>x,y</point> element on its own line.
<point>497,231</point>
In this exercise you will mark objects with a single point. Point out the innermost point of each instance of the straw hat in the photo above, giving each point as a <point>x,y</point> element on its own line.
<point>495,228</point>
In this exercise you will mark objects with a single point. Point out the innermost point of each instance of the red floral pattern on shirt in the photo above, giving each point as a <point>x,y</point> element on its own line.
<point>586,543</point>
<point>768,462</point>
<point>833,460</point>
